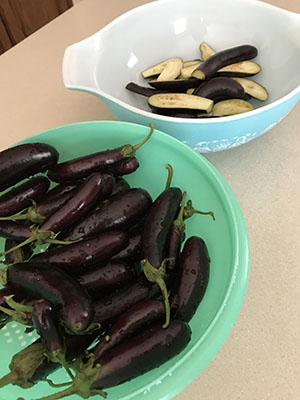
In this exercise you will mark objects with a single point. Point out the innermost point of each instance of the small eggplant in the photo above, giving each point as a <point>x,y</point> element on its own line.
<point>82,167</point>
<point>179,102</point>
<point>223,58</point>
<point>114,304</point>
<point>18,231</point>
<point>138,317</point>
<point>131,252</point>
<point>54,285</point>
<point>103,279</point>
<point>24,160</point>
<point>78,256</point>
<point>220,86</point>
<point>47,324</point>
<point>125,168</point>
<point>155,234</point>
<point>22,196</point>
<point>85,196</point>
<point>119,212</point>
<point>127,360</point>
<point>191,280</point>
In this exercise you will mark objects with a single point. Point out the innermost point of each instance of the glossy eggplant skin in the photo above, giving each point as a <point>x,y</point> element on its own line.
<point>55,199</point>
<point>179,85</point>
<point>15,230</point>
<point>25,160</point>
<point>121,185</point>
<point>60,289</point>
<point>21,196</point>
<point>119,212</point>
<point>111,306</point>
<point>46,322</point>
<point>142,90</point>
<point>157,226</point>
<point>104,279</point>
<point>175,240</point>
<point>138,317</point>
<point>85,196</point>
<point>131,252</point>
<point>225,57</point>
<point>125,168</point>
<point>141,353</point>
<point>217,87</point>
<point>76,257</point>
<point>191,280</point>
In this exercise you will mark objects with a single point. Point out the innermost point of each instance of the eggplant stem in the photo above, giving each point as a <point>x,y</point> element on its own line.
<point>11,377</point>
<point>18,217</point>
<point>178,223</point>
<point>56,241</point>
<point>18,246</point>
<point>17,306</point>
<point>156,275</point>
<point>189,211</point>
<point>57,385</point>
<point>17,316</point>
<point>82,384</point>
<point>170,175</point>
<point>138,145</point>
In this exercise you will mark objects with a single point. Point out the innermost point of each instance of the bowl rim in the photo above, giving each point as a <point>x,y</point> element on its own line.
<point>149,114</point>
<point>225,317</point>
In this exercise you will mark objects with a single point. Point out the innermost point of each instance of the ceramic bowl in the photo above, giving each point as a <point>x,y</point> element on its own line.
<point>105,62</point>
<point>226,239</point>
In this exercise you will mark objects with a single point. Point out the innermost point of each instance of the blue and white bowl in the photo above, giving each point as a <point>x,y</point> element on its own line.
<point>105,62</point>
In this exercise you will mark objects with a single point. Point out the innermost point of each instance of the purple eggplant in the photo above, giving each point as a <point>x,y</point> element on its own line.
<point>125,168</point>
<point>129,359</point>
<point>54,199</point>
<point>85,196</point>
<point>131,252</point>
<point>106,278</point>
<point>47,324</point>
<point>142,90</point>
<point>138,317</point>
<point>121,185</point>
<point>52,284</point>
<point>223,87</point>
<point>191,280</point>
<point>175,86</point>
<point>157,227</point>
<point>25,160</point>
<point>119,212</point>
<point>101,161</point>
<point>223,58</point>
<point>76,257</point>
<point>112,305</point>
<point>18,231</point>
<point>22,196</point>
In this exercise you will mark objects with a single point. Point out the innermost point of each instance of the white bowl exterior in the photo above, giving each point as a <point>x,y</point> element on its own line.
<point>104,63</point>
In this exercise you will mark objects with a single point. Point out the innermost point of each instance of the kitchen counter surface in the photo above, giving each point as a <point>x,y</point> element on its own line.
<point>260,358</point>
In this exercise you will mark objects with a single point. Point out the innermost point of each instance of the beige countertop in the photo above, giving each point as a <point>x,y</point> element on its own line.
<point>260,358</point>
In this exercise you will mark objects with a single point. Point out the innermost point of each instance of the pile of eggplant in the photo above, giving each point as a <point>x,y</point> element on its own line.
<point>215,85</point>
<point>99,270</point>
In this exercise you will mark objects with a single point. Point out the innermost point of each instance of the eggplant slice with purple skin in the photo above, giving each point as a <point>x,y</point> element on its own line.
<point>223,58</point>
<point>158,68</point>
<point>179,102</point>
<point>252,88</point>
<point>177,85</point>
<point>220,86</point>
<point>142,90</point>
<point>231,107</point>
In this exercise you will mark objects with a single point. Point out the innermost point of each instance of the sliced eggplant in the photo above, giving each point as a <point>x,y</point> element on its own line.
<point>220,86</point>
<point>190,91</point>
<point>179,102</point>
<point>158,68</point>
<point>143,90</point>
<point>177,85</point>
<point>189,63</point>
<point>187,72</point>
<point>224,58</point>
<point>206,51</point>
<point>171,70</point>
<point>240,69</point>
<point>253,88</point>
<point>231,107</point>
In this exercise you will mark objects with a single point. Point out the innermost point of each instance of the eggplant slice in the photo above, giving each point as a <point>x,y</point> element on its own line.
<point>177,85</point>
<point>223,87</point>
<point>143,90</point>
<point>158,68</point>
<point>171,70</point>
<point>179,102</point>
<point>253,88</point>
<point>206,51</point>
<point>231,107</point>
